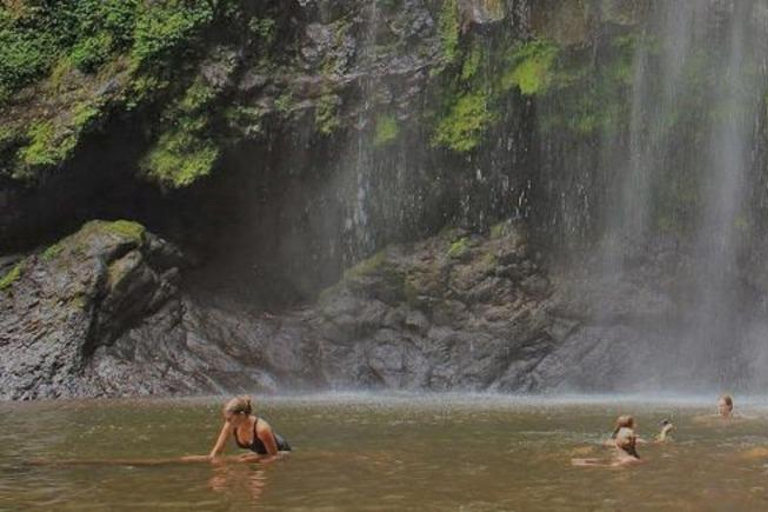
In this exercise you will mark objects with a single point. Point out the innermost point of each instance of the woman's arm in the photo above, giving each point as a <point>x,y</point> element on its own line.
<point>264,431</point>
<point>218,448</point>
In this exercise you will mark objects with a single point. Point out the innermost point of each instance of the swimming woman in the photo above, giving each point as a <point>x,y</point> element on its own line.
<point>249,432</point>
<point>725,413</point>
<point>725,407</point>
<point>624,421</point>
<point>625,442</point>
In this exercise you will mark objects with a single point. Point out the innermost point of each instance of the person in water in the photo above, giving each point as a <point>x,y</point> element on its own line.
<point>249,431</point>
<point>666,429</point>
<point>623,421</point>
<point>725,407</point>
<point>625,441</point>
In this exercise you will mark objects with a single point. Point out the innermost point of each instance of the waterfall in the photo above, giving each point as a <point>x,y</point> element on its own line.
<point>658,81</point>
<point>721,234</point>
<point>695,101</point>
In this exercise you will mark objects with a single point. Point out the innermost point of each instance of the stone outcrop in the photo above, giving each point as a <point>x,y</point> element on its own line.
<point>61,305</point>
<point>457,311</point>
<point>101,313</point>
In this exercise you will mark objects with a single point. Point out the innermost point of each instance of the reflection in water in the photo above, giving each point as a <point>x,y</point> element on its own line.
<point>236,478</point>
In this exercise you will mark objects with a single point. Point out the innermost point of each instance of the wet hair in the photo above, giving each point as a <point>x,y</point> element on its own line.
<point>728,399</point>
<point>239,405</point>
<point>623,421</point>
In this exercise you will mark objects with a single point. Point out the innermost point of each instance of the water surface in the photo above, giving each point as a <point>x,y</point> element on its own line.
<point>369,452</point>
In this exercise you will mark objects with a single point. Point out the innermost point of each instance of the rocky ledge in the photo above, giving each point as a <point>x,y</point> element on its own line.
<point>103,313</point>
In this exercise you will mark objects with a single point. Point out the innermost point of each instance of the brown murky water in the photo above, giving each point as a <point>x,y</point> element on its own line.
<point>363,452</point>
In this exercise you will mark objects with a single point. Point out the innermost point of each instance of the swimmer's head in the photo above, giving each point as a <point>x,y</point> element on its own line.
<point>238,409</point>
<point>666,428</point>
<point>623,421</point>
<point>725,406</point>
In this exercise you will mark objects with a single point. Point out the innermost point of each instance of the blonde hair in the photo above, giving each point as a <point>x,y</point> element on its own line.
<point>239,405</point>
<point>623,421</point>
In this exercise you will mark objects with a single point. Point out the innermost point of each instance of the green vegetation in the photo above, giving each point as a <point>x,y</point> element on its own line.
<point>46,147</point>
<point>35,34</point>
<point>163,27</point>
<point>124,228</point>
<point>472,62</point>
<point>499,230</point>
<point>264,29</point>
<point>326,114</point>
<point>52,251</point>
<point>90,53</point>
<point>449,29</point>
<point>462,129</point>
<point>246,121</point>
<point>459,248</point>
<point>532,67</point>
<point>185,149</point>
<point>85,57</point>
<point>180,157</point>
<point>284,102</point>
<point>387,130</point>
<point>368,266</point>
<point>11,276</point>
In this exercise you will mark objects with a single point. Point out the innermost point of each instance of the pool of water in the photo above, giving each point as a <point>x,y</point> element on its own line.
<point>370,452</point>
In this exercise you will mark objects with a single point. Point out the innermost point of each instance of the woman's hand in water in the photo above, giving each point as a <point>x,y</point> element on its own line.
<point>250,457</point>
<point>195,458</point>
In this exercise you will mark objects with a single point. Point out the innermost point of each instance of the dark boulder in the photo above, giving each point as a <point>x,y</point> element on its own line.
<point>61,305</point>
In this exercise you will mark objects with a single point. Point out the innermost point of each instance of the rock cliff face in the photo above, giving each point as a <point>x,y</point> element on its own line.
<point>60,306</point>
<point>410,194</point>
<point>101,313</point>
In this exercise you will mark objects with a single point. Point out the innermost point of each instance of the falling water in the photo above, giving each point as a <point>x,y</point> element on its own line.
<point>358,231</point>
<point>656,88</point>
<point>695,99</point>
<point>720,236</point>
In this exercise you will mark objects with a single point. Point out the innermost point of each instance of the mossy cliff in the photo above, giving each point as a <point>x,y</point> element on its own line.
<point>169,93</point>
<point>305,150</point>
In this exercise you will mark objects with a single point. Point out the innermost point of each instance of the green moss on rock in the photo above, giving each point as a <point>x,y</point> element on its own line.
<point>327,118</point>
<point>126,229</point>
<point>180,157</point>
<point>466,123</point>
<point>387,130</point>
<point>52,251</point>
<point>11,276</point>
<point>459,248</point>
<point>449,29</point>
<point>372,265</point>
<point>532,70</point>
<point>46,146</point>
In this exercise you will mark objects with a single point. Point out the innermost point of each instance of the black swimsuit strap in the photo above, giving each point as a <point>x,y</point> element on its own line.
<point>255,436</point>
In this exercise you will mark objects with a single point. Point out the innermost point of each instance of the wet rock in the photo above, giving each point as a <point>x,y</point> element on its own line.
<point>482,12</point>
<point>75,297</point>
<point>454,346</point>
